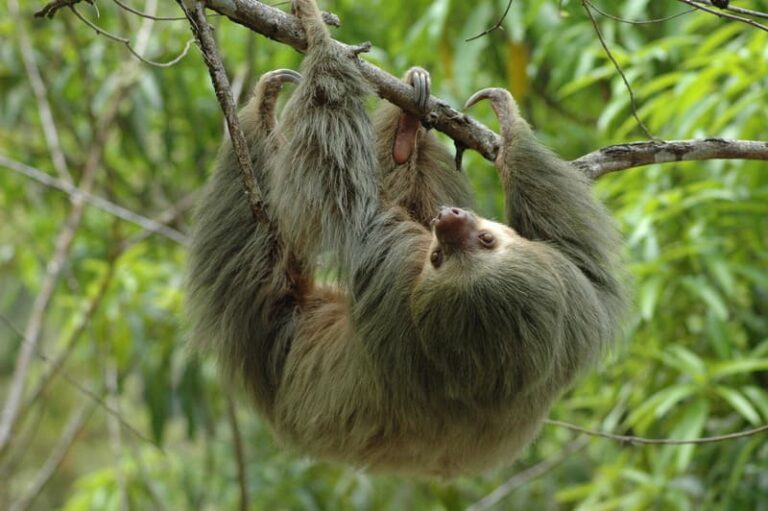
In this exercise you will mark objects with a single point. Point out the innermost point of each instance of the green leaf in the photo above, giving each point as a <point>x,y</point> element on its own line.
<point>759,398</point>
<point>739,403</point>
<point>743,366</point>
<point>649,296</point>
<point>595,75</point>
<point>699,287</point>
<point>685,361</point>
<point>659,404</point>
<point>689,427</point>
<point>718,38</point>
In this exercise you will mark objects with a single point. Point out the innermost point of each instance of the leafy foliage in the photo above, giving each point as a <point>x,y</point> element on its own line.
<point>695,359</point>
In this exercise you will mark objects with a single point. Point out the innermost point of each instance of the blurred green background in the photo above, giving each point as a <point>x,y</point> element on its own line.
<point>116,415</point>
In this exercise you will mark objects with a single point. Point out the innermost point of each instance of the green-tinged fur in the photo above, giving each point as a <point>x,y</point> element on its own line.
<point>400,366</point>
<point>241,280</point>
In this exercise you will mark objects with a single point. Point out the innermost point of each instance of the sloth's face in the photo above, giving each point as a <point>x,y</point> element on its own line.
<point>461,238</point>
<point>466,273</point>
<point>469,303</point>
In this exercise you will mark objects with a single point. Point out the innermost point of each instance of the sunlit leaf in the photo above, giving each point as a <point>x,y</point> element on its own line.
<point>739,403</point>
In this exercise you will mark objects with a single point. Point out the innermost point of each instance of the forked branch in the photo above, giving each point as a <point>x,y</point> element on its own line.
<point>284,28</point>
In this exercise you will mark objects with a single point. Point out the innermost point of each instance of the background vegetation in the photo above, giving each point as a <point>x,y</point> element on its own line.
<point>116,415</point>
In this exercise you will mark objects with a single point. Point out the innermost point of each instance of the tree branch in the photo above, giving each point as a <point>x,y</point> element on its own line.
<point>639,440</point>
<point>737,10</point>
<point>637,154</point>
<point>724,14</point>
<point>113,209</point>
<point>284,28</point>
<point>529,474</point>
<point>63,244</point>
<point>195,12</point>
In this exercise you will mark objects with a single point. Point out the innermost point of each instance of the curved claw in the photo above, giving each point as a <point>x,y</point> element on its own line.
<point>502,103</point>
<point>420,80</point>
<point>282,76</point>
<point>407,131</point>
<point>490,93</point>
<point>271,82</point>
<point>265,97</point>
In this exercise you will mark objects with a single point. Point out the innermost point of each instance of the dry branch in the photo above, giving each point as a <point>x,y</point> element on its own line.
<point>284,28</point>
<point>151,226</point>
<point>195,12</point>
<point>63,245</point>
<point>637,154</point>
<point>639,440</point>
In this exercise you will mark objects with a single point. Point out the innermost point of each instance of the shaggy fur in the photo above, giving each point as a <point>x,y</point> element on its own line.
<point>401,366</point>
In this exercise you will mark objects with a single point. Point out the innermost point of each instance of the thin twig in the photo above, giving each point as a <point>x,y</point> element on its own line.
<point>528,475</point>
<point>145,15</point>
<point>638,22</point>
<point>616,65</point>
<point>110,207</point>
<point>633,440</point>
<point>129,45</point>
<point>239,448</point>
<point>723,14</point>
<point>496,26</point>
<point>75,425</point>
<point>195,12</point>
<point>62,246</point>
<point>166,217</point>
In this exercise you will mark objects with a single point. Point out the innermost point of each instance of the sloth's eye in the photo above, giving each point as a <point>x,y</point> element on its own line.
<point>488,239</point>
<point>436,258</point>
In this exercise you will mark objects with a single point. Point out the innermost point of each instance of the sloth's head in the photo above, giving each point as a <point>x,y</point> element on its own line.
<point>461,241</point>
<point>478,306</point>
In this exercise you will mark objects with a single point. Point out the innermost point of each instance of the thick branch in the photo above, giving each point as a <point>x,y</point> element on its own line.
<point>637,154</point>
<point>284,28</point>
<point>279,26</point>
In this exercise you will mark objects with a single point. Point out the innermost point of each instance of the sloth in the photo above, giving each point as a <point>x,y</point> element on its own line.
<point>445,337</point>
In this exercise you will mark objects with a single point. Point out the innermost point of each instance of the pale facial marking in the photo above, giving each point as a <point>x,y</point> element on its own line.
<point>488,241</point>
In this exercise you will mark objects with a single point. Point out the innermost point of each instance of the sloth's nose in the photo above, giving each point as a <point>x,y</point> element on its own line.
<point>453,227</point>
